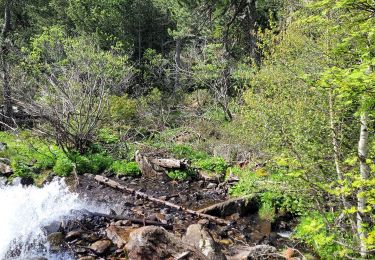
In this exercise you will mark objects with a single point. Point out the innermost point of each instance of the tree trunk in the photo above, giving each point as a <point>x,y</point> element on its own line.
<point>177,59</point>
<point>337,154</point>
<point>7,93</point>
<point>365,174</point>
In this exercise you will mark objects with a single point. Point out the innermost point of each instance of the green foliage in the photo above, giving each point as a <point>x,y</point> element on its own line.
<point>63,166</point>
<point>267,212</point>
<point>125,168</point>
<point>92,163</point>
<point>107,136</point>
<point>313,230</point>
<point>122,108</point>
<point>213,164</point>
<point>178,175</point>
<point>187,152</point>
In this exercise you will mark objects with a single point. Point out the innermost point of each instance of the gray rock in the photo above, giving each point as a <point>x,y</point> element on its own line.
<point>200,238</point>
<point>156,241</point>
<point>52,227</point>
<point>16,181</point>
<point>211,186</point>
<point>3,147</point>
<point>5,169</point>
<point>5,160</point>
<point>258,252</point>
<point>3,181</point>
<point>55,240</point>
<point>101,246</point>
<point>73,235</point>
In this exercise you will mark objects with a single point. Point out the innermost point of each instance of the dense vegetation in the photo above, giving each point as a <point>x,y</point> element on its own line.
<point>280,93</point>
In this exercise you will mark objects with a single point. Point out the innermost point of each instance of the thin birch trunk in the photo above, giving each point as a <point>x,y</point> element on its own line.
<point>365,174</point>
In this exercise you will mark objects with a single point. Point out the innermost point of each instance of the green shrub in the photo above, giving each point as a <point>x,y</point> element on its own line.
<point>122,108</point>
<point>267,212</point>
<point>313,230</point>
<point>126,168</point>
<point>213,164</point>
<point>185,151</point>
<point>178,175</point>
<point>93,163</point>
<point>108,136</point>
<point>63,166</point>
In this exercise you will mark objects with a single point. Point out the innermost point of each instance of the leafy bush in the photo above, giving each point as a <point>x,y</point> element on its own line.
<point>313,230</point>
<point>185,151</point>
<point>63,166</point>
<point>213,164</point>
<point>122,108</point>
<point>126,168</point>
<point>267,212</point>
<point>93,163</point>
<point>108,136</point>
<point>178,175</point>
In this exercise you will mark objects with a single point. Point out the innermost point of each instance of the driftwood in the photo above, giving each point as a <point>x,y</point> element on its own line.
<point>132,220</point>
<point>169,163</point>
<point>116,185</point>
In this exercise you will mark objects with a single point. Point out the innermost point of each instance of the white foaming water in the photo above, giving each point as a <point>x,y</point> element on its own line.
<point>24,211</point>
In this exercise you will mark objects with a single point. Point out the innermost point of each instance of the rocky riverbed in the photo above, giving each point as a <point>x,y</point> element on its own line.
<point>91,220</point>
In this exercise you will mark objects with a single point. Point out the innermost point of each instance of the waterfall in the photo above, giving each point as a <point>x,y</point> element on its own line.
<point>24,211</point>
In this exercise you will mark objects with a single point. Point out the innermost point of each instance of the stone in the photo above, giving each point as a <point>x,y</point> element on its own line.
<point>5,169</point>
<point>211,186</point>
<point>101,246</point>
<point>209,177</point>
<point>204,222</point>
<point>55,240</point>
<point>89,257</point>
<point>258,252</point>
<point>119,235</point>
<point>197,236</point>
<point>3,147</point>
<point>73,235</point>
<point>5,161</point>
<point>156,243</point>
<point>3,181</point>
<point>52,227</point>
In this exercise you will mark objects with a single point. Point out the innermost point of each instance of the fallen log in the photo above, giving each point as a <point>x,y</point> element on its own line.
<point>118,186</point>
<point>132,220</point>
<point>169,163</point>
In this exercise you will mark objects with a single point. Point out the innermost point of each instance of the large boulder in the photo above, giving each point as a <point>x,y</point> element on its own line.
<point>199,237</point>
<point>154,243</point>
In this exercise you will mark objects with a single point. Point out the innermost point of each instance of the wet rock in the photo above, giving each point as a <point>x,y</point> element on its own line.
<point>241,206</point>
<point>119,235</point>
<point>5,169</point>
<point>89,257</point>
<point>27,181</point>
<point>204,222</point>
<point>156,243</point>
<point>101,246</point>
<point>90,237</point>
<point>55,240</point>
<point>73,235</point>
<point>200,238</point>
<point>211,186</point>
<point>3,181</point>
<point>36,258</point>
<point>53,227</point>
<point>258,252</point>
